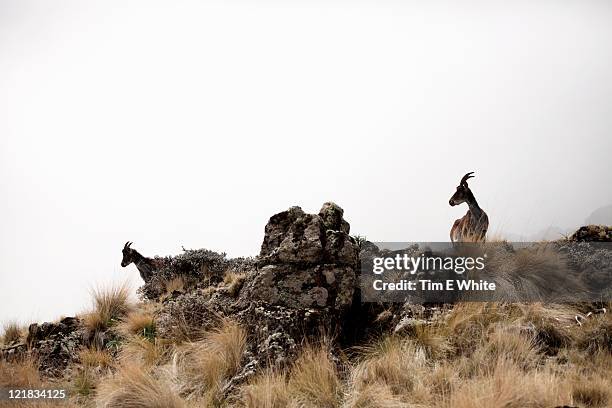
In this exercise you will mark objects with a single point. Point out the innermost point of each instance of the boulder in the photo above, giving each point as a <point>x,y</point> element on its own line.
<point>302,284</point>
<point>332,216</point>
<point>595,233</point>
<point>293,237</point>
<point>319,286</point>
<point>307,260</point>
<point>55,345</point>
<point>37,333</point>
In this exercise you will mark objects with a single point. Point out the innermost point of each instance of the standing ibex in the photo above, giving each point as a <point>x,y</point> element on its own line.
<point>472,227</point>
<point>146,266</point>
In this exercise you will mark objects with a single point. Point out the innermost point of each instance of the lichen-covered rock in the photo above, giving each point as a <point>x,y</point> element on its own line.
<point>302,284</point>
<point>38,332</point>
<point>341,249</point>
<point>55,345</point>
<point>306,261</point>
<point>332,216</point>
<point>325,285</point>
<point>597,233</point>
<point>293,236</point>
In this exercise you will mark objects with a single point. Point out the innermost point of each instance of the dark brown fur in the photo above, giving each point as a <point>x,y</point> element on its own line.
<point>473,226</point>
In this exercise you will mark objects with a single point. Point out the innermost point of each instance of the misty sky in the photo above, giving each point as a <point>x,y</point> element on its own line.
<point>190,123</point>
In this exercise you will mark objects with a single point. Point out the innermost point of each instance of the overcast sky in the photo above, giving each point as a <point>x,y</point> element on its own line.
<point>190,123</point>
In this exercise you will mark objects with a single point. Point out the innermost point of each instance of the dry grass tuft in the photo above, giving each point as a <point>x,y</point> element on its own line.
<point>503,344</point>
<point>432,339</point>
<point>176,284</point>
<point>596,334</point>
<point>267,390</point>
<point>84,382</point>
<point>233,282</point>
<point>395,364</point>
<point>200,369</point>
<point>508,386</point>
<point>146,352</point>
<point>113,302</point>
<point>140,323</point>
<point>592,392</point>
<point>134,387</point>
<point>12,332</point>
<point>22,372</point>
<point>93,358</point>
<point>314,379</point>
<point>374,396</point>
<point>109,305</point>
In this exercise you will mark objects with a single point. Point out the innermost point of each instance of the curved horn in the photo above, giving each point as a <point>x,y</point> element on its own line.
<point>127,244</point>
<point>466,177</point>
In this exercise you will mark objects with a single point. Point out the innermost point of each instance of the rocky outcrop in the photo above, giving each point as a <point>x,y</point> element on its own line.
<point>593,233</point>
<point>302,284</point>
<point>307,260</point>
<point>55,345</point>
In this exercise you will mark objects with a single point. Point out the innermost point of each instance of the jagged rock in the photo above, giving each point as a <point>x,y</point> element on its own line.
<point>597,233</point>
<point>45,330</point>
<point>341,249</point>
<point>293,236</point>
<point>325,285</point>
<point>303,284</point>
<point>332,216</point>
<point>276,332</point>
<point>55,345</point>
<point>306,260</point>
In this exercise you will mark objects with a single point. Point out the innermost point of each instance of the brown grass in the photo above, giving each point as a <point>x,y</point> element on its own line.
<point>267,390</point>
<point>22,372</point>
<point>314,379</point>
<point>233,282</point>
<point>175,284</point>
<point>478,355</point>
<point>503,343</point>
<point>12,332</point>
<point>113,302</point>
<point>592,392</point>
<point>135,387</point>
<point>140,323</point>
<point>146,352</point>
<point>110,304</point>
<point>93,358</point>
<point>201,368</point>
<point>395,364</point>
<point>507,386</point>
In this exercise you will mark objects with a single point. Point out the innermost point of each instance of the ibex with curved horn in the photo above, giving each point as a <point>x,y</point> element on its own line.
<point>146,266</point>
<point>473,226</point>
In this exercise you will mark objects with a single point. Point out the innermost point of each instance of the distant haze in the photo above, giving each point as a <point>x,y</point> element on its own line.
<point>190,123</point>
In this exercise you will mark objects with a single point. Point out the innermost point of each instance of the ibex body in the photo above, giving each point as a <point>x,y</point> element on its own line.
<point>473,226</point>
<point>146,266</point>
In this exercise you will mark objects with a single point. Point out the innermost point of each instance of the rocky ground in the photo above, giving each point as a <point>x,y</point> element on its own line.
<point>287,328</point>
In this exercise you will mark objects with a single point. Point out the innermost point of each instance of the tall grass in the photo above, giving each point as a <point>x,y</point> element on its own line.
<point>200,369</point>
<point>135,387</point>
<point>11,332</point>
<point>110,304</point>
